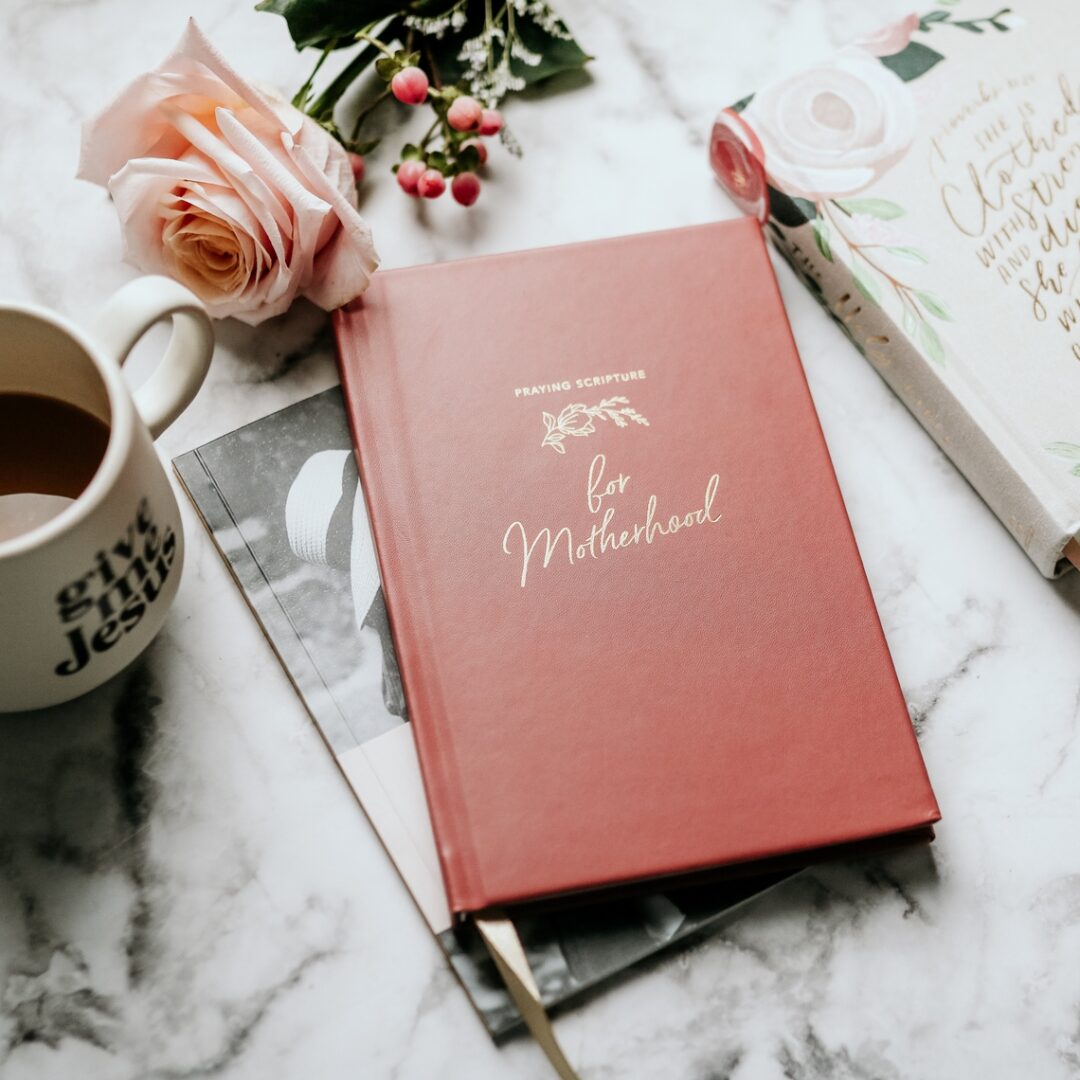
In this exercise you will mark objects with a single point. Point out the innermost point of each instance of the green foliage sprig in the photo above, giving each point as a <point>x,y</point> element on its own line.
<point>483,49</point>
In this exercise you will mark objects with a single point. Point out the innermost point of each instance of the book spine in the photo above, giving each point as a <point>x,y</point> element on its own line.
<point>386,484</point>
<point>979,447</point>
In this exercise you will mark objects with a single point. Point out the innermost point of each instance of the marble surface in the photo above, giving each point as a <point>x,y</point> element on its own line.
<point>187,888</point>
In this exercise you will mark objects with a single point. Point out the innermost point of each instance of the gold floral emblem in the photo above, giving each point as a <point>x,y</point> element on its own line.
<point>577,420</point>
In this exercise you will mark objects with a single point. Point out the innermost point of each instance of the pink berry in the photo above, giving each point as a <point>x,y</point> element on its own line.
<point>481,149</point>
<point>431,184</point>
<point>410,86</point>
<point>465,188</point>
<point>357,164</point>
<point>408,175</point>
<point>490,121</point>
<point>464,114</point>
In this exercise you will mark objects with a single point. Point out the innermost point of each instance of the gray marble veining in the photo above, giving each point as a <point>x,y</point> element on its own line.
<point>187,888</point>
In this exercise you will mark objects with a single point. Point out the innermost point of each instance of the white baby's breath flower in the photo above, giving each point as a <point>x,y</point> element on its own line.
<point>474,52</point>
<point>435,27</point>
<point>519,52</point>
<point>544,17</point>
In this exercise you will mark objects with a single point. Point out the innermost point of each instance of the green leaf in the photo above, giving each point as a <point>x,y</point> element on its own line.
<point>387,67</point>
<point>909,254</point>
<point>1065,449</point>
<point>911,62</point>
<point>411,152</point>
<point>821,236</point>
<point>879,208</point>
<point>788,211</point>
<point>934,306</point>
<point>865,284</point>
<point>437,160</point>
<point>1075,470</point>
<point>468,159</point>
<point>910,322</point>
<point>557,54</point>
<point>931,343</point>
<point>742,103</point>
<point>318,22</point>
<point>323,105</point>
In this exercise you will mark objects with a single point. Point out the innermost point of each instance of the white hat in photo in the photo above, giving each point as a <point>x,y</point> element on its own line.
<point>327,523</point>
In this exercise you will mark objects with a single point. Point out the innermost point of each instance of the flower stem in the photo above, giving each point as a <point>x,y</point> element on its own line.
<point>487,28</point>
<point>300,97</point>
<point>368,109</point>
<point>430,131</point>
<point>903,292</point>
<point>434,67</point>
<point>384,49</point>
<point>322,107</point>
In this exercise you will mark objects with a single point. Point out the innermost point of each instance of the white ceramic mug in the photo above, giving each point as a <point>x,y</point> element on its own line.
<point>84,593</point>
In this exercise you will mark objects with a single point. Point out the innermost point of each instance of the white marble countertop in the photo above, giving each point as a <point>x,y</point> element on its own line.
<point>187,887</point>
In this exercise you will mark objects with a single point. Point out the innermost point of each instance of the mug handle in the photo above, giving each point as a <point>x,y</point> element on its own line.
<point>124,319</point>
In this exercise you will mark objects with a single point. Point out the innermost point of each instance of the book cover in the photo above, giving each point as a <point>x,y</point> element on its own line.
<point>923,184</point>
<point>581,465</point>
<point>280,499</point>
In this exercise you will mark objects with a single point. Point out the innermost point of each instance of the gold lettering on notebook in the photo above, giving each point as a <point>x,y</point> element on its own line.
<point>586,382</point>
<point>560,544</point>
<point>1011,188</point>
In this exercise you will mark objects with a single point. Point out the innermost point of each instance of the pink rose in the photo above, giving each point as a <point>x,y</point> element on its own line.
<point>240,196</point>
<point>890,40</point>
<point>736,157</point>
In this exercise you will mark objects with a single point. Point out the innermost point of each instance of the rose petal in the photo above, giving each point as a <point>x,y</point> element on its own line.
<point>311,210</point>
<point>228,188</point>
<point>345,265</point>
<point>128,127</point>
<point>141,191</point>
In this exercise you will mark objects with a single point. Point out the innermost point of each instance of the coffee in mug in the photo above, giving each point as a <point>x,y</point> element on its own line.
<point>49,452</point>
<point>91,545</point>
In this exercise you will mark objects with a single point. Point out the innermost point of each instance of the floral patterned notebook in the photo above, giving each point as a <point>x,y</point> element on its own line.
<point>923,183</point>
<point>282,502</point>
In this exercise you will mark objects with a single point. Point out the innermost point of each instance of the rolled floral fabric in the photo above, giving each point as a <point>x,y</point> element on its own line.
<point>736,155</point>
<point>228,189</point>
